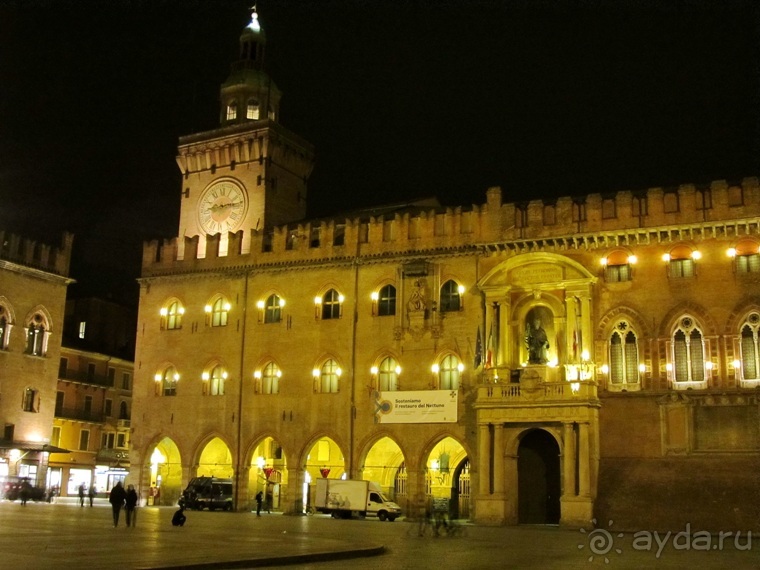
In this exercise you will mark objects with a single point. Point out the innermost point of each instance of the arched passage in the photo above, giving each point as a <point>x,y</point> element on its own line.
<point>324,459</point>
<point>165,473</point>
<point>538,479</point>
<point>447,478</point>
<point>268,473</point>
<point>384,464</point>
<point>215,460</point>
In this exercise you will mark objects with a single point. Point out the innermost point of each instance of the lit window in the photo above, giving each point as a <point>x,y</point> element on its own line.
<point>31,401</point>
<point>449,372</point>
<point>82,327</point>
<point>173,315</point>
<point>387,376</point>
<point>273,309</point>
<point>329,375</point>
<point>232,111</point>
<point>219,312</point>
<point>216,381</point>
<point>331,305</point>
<point>681,262</point>
<point>252,110</point>
<point>688,352</point>
<point>617,267</point>
<point>386,302</point>
<point>450,297</point>
<point>36,336</point>
<point>624,355</point>
<point>169,380</point>
<point>270,379</point>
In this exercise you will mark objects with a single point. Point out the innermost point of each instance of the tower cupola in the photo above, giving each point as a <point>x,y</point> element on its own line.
<point>249,94</point>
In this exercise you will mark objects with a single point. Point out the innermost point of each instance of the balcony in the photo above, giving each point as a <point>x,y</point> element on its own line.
<point>80,415</point>
<point>122,424</point>
<point>85,378</point>
<point>113,457</point>
<point>531,393</point>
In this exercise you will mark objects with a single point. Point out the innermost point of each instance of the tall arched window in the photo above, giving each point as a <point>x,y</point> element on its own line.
<point>688,352</point>
<point>169,380</point>
<point>35,335</point>
<point>450,298</point>
<point>329,376</point>
<point>273,309</point>
<point>216,381</point>
<point>252,110</point>
<point>448,375</point>
<point>331,304</point>
<point>270,379</point>
<point>750,347</point>
<point>172,315</point>
<point>387,374</point>
<point>624,355</point>
<point>232,110</point>
<point>386,302</point>
<point>219,312</point>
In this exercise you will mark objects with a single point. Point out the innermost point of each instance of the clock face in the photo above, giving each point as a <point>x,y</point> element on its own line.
<point>222,207</point>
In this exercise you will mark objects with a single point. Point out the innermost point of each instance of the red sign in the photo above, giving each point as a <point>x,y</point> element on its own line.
<point>268,471</point>
<point>325,471</point>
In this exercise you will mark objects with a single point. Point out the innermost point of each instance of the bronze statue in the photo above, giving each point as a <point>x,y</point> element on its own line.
<point>537,343</point>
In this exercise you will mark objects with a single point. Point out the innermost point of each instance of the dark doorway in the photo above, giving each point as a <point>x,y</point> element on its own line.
<point>538,481</point>
<point>459,507</point>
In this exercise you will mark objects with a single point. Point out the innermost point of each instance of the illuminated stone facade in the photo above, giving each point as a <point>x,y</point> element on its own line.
<point>266,354</point>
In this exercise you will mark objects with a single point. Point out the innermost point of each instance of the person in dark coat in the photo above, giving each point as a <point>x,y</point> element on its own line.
<point>91,493</point>
<point>259,499</point>
<point>81,495</point>
<point>130,506</point>
<point>179,517</point>
<point>117,498</point>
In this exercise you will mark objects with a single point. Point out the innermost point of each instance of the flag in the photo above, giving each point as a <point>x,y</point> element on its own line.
<point>478,350</point>
<point>489,349</point>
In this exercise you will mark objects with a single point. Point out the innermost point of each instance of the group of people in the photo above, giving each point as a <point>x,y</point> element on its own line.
<point>124,498</point>
<point>91,492</point>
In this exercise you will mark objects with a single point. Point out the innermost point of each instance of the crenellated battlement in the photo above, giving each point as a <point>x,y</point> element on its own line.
<point>31,253</point>
<point>594,220</point>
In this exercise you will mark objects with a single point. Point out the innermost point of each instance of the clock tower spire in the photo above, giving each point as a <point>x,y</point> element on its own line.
<point>250,173</point>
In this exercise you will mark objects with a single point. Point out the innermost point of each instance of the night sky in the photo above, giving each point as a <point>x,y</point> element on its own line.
<point>402,99</point>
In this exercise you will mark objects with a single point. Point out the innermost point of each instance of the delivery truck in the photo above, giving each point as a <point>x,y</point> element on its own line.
<point>343,498</point>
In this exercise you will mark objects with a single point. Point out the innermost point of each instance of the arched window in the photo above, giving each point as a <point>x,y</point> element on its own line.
<point>624,355</point>
<point>688,352</point>
<point>273,309</point>
<point>172,315</point>
<point>216,381</point>
<point>252,110</point>
<point>270,379</point>
<point>387,375</point>
<point>123,411</point>
<point>232,110</point>
<point>386,302</point>
<point>449,373</point>
<point>35,336</point>
<point>750,347</point>
<point>169,379</point>
<point>328,376</point>
<point>450,297</point>
<point>219,312</point>
<point>331,305</point>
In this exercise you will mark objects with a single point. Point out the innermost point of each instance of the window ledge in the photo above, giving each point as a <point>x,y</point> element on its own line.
<point>749,383</point>
<point>702,385</point>
<point>623,386</point>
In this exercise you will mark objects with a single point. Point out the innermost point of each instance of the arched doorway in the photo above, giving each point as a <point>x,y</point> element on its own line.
<point>538,479</point>
<point>269,473</point>
<point>165,474</point>
<point>445,467</point>
<point>324,459</point>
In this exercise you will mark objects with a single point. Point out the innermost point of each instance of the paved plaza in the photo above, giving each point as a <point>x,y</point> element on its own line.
<point>64,535</point>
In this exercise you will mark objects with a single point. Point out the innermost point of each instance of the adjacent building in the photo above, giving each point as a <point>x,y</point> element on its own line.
<point>543,361</point>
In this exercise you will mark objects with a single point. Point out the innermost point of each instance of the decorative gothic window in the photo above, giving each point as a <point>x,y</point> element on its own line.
<point>273,309</point>
<point>216,381</point>
<point>386,302</point>
<point>450,297</point>
<point>449,372</point>
<point>270,379</point>
<point>750,349</point>
<point>218,312</point>
<point>688,352</point>
<point>328,377</point>
<point>168,381</point>
<point>624,355</point>
<point>36,339</point>
<point>387,374</point>
<point>331,305</point>
<point>171,315</point>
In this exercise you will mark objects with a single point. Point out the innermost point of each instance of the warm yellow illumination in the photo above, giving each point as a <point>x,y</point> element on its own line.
<point>731,252</point>
<point>632,259</point>
<point>224,375</point>
<point>164,311</point>
<point>604,369</point>
<point>227,306</point>
<point>282,303</point>
<point>317,300</point>
<point>642,368</point>
<point>373,371</point>
<point>176,376</point>
<point>157,457</point>
<point>205,376</point>
<point>15,454</point>
<point>696,254</point>
<point>575,386</point>
<point>461,289</point>
<point>181,310</point>
<point>553,363</point>
<point>157,378</point>
<point>260,462</point>
<point>278,373</point>
<point>315,373</point>
<point>603,261</point>
<point>260,305</point>
<point>207,308</point>
<point>460,367</point>
<point>341,298</point>
<point>736,364</point>
<point>398,370</point>
<point>584,355</point>
<point>666,257</point>
<point>669,367</point>
<point>374,295</point>
<point>338,372</point>
<point>257,374</point>
<point>709,365</point>
<point>435,368</point>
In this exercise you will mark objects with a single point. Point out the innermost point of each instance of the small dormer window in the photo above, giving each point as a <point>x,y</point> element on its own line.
<point>252,111</point>
<point>231,111</point>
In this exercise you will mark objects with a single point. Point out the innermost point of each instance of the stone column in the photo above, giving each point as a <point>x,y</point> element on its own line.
<point>243,495</point>
<point>484,465</point>
<point>584,460</point>
<point>498,459</point>
<point>292,503</point>
<point>568,460</point>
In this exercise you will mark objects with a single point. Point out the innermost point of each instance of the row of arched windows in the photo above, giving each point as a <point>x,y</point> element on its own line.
<point>327,306</point>
<point>326,377</point>
<point>36,331</point>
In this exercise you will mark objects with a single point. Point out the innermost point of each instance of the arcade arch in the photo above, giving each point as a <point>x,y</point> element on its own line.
<point>165,473</point>
<point>268,473</point>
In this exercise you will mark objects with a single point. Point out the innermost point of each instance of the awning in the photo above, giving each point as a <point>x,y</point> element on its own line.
<point>32,446</point>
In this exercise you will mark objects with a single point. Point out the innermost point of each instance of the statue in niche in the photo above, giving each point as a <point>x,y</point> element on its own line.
<point>537,342</point>
<point>416,302</point>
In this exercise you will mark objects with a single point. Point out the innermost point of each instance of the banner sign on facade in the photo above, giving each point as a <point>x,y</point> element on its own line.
<point>423,407</point>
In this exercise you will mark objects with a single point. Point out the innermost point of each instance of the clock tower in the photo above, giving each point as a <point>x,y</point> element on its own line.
<point>251,172</point>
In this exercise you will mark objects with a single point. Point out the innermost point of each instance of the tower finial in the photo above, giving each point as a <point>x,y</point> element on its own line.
<point>254,25</point>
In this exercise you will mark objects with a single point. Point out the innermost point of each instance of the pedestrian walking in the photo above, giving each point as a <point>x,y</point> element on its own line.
<point>91,493</point>
<point>130,506</point>
<point>259,499</point>
<point>117,498</point>
<point>81,494</point>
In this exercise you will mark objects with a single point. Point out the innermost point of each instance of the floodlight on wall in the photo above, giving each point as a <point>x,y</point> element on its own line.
<point>696,255</point>
<point>666,257</point>
<point>164,311</point>
<point>205,376</point>
<point>604,369</point>
<point>208,309</point>
<point>632,259</point>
